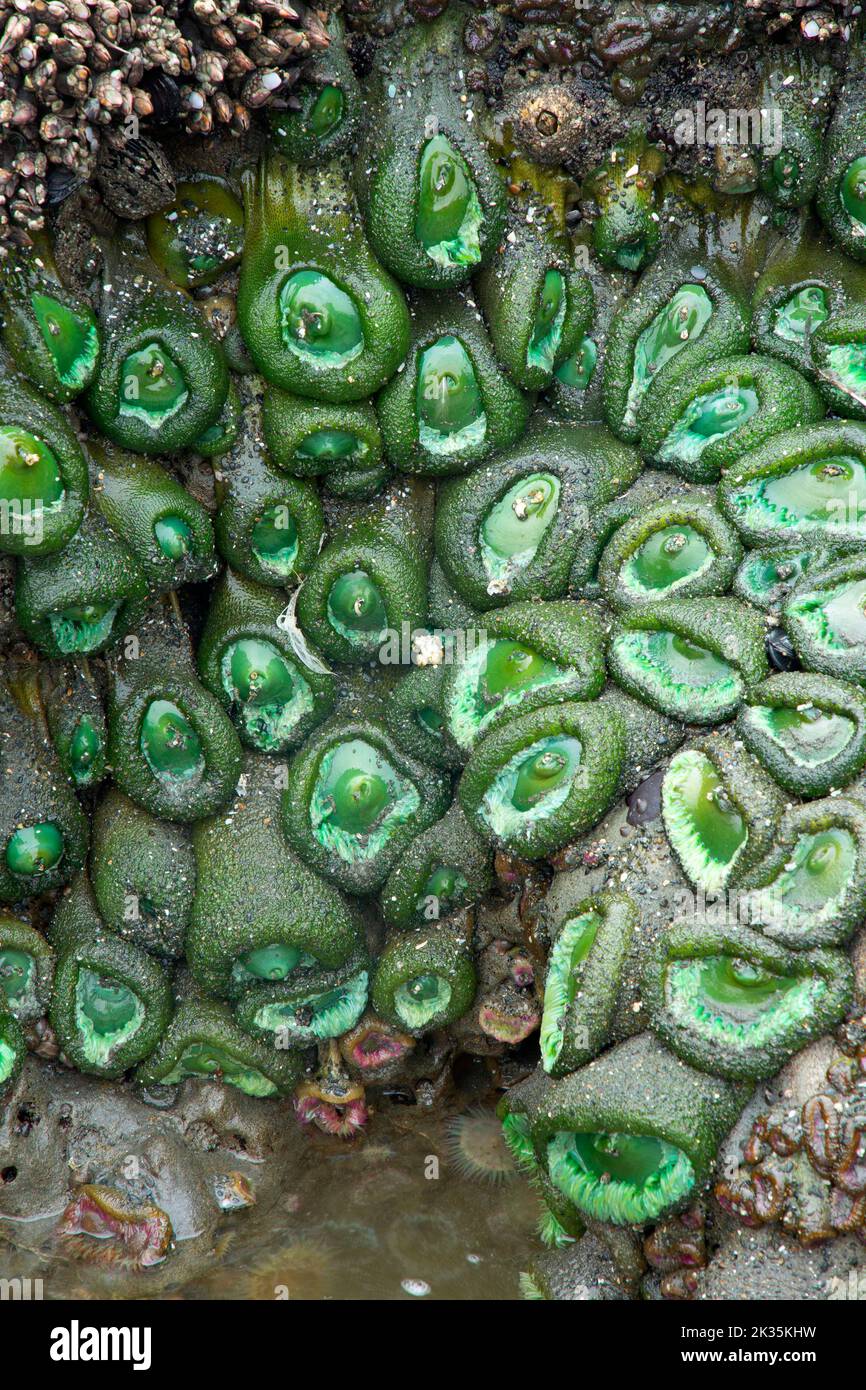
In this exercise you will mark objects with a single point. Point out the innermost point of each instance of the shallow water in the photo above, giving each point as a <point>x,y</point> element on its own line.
<point>373,1221</point>
<point>388,1216</point>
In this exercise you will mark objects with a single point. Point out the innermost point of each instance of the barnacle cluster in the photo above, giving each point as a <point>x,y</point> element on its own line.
<point>381,508</point>
<point>77,73</point>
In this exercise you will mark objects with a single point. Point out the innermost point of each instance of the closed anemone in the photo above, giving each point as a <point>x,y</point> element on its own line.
<point>107,1013</point>
<point>570,951</point>
<point>320,322</point>
<point>269,693</point>
<point>577,371</point>
<point>208,1060</point>
<point>312,1017</point>
<point>704,825</point>
<point>72,341</point>
<point>85,747</point>
<point>274,541</point>
<point>800,314</point>
<point>449,215</point>
<point>516,525</point>
<point>152,386</point>
<point>532,784</point>
<point>356,609</point>
<point>358,801</point>
<point>738,1000</point>
<point>765,577</point>
<point>373,1045</point>
<point>807,734</point>
<point>667,558</point>
<point>626,1179</point>
<point>707,418</point>
<point>833,618</point>
<point>31,481</point>
<point>444,888</point>
<point>495,676</point>
<point>332,446</point>
<point>812,883</point>
<point>547,324</point>
<point>170,743</point>
<point>82,628</point>
<point>451,415</point>
<point>421,999</point>
<point>18,980</point>
<point>34,849</point>
<point>680,321</point>
<point>679,675</point>
<point>276,961</point>
<point>827,494</point>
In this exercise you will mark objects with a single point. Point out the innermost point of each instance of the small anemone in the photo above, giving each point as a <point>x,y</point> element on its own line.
<point>103,1226</point>
<point>373,1045</point>
<point>508,1017</point>
<point>477,1148</point>
<point>332,1101</point>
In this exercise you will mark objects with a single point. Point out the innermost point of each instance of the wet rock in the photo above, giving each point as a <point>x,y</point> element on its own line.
<point>579,1273</point>
<point>61,1131</point>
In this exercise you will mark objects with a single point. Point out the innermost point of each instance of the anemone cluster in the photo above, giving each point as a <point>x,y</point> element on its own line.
<point>370,527</point>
